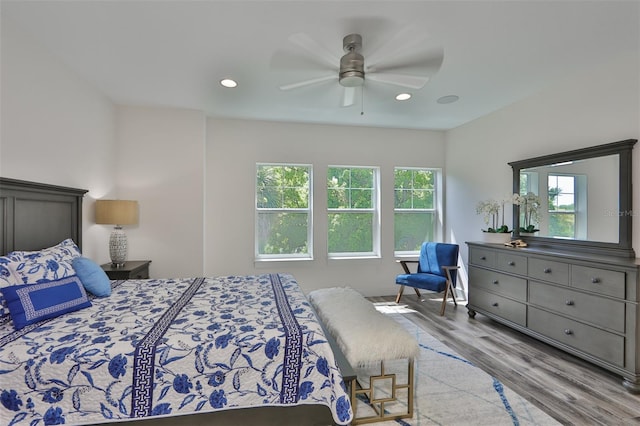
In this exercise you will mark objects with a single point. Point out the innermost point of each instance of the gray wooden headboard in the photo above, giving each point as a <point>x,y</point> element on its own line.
<point>37,215</point>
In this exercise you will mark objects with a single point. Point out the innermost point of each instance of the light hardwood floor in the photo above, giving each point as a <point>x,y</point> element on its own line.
<point>569,389</point>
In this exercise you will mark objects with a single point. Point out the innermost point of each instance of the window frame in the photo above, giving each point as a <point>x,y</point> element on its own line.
<point>437,208</point>
<point>258,257</point>
<point>579,211</point>
<point>374,210</point>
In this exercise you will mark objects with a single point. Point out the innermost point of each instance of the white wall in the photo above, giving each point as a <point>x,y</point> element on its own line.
<point>56,128</point>
<point>597,107</point>
<point>235,146</point>
<point>160,163</point>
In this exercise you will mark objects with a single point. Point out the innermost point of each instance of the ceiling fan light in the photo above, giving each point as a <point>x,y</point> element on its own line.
<point>351,79</point>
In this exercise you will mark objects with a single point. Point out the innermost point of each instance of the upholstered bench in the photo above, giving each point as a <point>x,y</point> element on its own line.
<point>368,338</point>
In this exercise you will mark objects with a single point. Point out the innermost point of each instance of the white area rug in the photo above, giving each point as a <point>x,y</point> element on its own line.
<point>449,390</point>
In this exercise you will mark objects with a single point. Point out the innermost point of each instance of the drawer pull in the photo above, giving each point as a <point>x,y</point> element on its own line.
<point>568,331</point>
<point>495,304</point>
<point>511,263</point>
<point>547,270</point>
<point>595,280</point>
<point>569,302</point>
<point>483,257</point>
<point>495,282</point>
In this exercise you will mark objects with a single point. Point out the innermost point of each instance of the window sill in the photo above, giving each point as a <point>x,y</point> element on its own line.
<point>355,257</point>
<point>284,260</point>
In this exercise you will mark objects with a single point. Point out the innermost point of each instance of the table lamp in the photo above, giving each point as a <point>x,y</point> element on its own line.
<point>118,213</point>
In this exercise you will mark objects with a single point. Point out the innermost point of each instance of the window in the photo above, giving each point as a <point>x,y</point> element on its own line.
<point>415,208</point>
<point>283,212</point>
<point>352,204</point>
<point>562,205</point>
<point>529,182</point>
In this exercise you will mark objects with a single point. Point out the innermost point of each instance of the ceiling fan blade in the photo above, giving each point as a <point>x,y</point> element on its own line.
<point>308,82</point>
<point>348,96</point>
<point>288,61</point>
<point>391,44</point>
<point>402,80</point>
<point>315,49</point>
<point>426,62</point>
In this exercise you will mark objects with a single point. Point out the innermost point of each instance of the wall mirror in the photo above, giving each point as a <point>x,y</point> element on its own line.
<point>579,200</point>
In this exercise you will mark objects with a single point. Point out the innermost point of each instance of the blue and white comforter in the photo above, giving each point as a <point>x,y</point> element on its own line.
<point>171,347</point>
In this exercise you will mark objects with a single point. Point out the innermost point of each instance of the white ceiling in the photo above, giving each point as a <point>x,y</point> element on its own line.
<point>173,53</point>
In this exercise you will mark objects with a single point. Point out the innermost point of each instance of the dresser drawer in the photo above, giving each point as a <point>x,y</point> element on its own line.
<point>479,256</point>
<point>514,263</point>
<point>597,310</point>
<point>548,270</point>
<point>503,284</point>
<point>602,281</point>
<point>505,308</point>
<point>599,343</point>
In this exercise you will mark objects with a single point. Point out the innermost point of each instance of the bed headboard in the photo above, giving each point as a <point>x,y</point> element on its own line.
<point>37,215</point>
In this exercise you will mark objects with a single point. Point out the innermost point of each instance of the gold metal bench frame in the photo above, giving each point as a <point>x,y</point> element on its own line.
<point>378,404</point>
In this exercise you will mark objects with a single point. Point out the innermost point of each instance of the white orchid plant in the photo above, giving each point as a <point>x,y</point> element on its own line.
<point>529,210</point>
<point>493,212</point>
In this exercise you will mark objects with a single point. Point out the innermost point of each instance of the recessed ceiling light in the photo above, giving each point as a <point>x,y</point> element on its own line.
<point>227,82</point>
<point>403,96</point>
<point>448,99</point>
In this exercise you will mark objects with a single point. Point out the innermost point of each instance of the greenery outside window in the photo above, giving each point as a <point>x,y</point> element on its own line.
<point>562,205</point>
<point>415,209</point>
<point>283,212</point>
<point>353,212</point>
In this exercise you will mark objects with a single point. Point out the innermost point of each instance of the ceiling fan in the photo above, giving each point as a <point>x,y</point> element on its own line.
<point>393,64</point>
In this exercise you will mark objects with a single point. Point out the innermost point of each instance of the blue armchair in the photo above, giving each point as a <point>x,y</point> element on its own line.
<point>437,271</point>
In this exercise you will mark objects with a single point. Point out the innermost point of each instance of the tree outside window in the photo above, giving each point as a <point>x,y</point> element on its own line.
<point>352,207</point>
<point>562,206</point>
<point>414,208</point>
<point>283,211</point>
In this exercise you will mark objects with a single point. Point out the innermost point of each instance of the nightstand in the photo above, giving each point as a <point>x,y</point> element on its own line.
<point>132,269</point>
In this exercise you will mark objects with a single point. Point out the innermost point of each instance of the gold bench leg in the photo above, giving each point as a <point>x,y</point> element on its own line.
<point>378,404</point>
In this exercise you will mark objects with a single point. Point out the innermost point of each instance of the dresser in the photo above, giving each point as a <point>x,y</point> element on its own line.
<point>584,304</point>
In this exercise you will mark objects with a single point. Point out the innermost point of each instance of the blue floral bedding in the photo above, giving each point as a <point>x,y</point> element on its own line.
<point>171,347</point>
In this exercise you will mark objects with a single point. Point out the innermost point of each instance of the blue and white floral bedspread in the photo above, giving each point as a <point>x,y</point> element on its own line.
<point>171,347</point>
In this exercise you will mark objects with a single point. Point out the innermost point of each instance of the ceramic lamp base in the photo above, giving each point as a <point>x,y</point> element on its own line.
<point>118,246</point>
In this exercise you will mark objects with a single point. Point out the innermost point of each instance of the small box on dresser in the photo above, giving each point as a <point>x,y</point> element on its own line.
<point>584,304</point>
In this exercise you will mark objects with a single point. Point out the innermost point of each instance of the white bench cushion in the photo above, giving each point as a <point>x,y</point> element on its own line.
<point>364,334</point>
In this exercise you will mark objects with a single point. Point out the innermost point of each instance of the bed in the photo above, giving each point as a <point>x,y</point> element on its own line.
<point>223,349</point>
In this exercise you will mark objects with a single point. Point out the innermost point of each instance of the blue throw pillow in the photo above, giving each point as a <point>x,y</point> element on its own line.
<point>92,276</point>
<point>31,303</point>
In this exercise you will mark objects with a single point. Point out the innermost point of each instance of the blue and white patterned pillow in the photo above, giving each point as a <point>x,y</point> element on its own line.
<point>45,267</point>
<point>30,267</point>
<point>65,250</point>
<point>31,303</point>
<point>7,278</point>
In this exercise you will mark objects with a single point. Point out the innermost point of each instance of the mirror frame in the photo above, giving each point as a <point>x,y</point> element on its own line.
<point>624,247</point>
